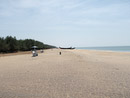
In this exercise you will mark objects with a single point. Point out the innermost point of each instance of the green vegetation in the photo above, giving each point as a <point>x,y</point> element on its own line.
<point>11,44</point>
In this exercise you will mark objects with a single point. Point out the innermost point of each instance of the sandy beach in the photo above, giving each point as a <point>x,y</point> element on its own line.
<point>73,74</point>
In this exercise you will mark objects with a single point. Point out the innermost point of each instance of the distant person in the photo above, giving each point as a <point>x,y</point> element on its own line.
<point>42,51</point>
<point>59,53</point>
<point>33,52</point>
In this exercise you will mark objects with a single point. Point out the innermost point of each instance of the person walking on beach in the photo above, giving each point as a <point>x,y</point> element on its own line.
<point>59,53</point>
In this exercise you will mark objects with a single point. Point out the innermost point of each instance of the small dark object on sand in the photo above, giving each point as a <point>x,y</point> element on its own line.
<point>59,53</point>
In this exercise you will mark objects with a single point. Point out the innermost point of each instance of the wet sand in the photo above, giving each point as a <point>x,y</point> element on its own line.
<point>73,74</point>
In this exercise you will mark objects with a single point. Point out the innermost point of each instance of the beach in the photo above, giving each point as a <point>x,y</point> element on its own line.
<point>73,74</point>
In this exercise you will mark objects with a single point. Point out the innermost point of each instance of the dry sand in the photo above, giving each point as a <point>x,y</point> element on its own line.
<point>74,74</point>
<point>15,53</point>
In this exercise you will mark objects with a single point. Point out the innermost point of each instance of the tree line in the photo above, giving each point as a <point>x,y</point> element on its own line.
<point>11,44</point>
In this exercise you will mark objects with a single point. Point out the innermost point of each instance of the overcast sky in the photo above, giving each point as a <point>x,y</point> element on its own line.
<point>75,23</point>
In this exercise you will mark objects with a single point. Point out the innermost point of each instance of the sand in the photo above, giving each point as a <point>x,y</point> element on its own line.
<point>15,53</point>
<point>73,74</point>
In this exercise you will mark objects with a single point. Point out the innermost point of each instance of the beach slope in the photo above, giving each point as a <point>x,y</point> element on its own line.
<point>73,74</point>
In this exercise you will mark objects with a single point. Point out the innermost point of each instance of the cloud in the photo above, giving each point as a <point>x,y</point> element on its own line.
<point>65,12</point>
<point>42,6</point>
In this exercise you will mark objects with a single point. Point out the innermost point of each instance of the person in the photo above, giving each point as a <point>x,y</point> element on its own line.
<point>59,53</point>
<point>33,52</point>
<point>42,51</point>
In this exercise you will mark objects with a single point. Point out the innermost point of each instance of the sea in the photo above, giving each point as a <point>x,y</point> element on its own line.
<point>108,48</point>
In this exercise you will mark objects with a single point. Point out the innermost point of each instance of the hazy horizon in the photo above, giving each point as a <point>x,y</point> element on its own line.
<point>66,23</point>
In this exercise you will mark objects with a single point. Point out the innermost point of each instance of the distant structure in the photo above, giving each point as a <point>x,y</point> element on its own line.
<point>67,48</point>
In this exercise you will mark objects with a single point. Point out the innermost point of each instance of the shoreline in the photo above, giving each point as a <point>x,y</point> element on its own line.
<point>105,50</point>
<point>91,50</point>
<point>108,48</point>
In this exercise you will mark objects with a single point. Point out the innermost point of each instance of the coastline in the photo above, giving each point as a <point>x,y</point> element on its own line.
<point>29,52</point>
<point>108,48</point>
<point>74,73</point>
<point>109,51</point>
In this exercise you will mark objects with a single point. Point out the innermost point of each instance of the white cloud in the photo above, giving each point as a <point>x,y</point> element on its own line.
<point>68,12</point>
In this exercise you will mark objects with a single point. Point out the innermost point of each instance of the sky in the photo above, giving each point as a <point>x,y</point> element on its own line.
<point>76,23</point>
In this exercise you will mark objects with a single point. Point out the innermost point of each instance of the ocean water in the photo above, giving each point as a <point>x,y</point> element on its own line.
<point>110,48</point>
